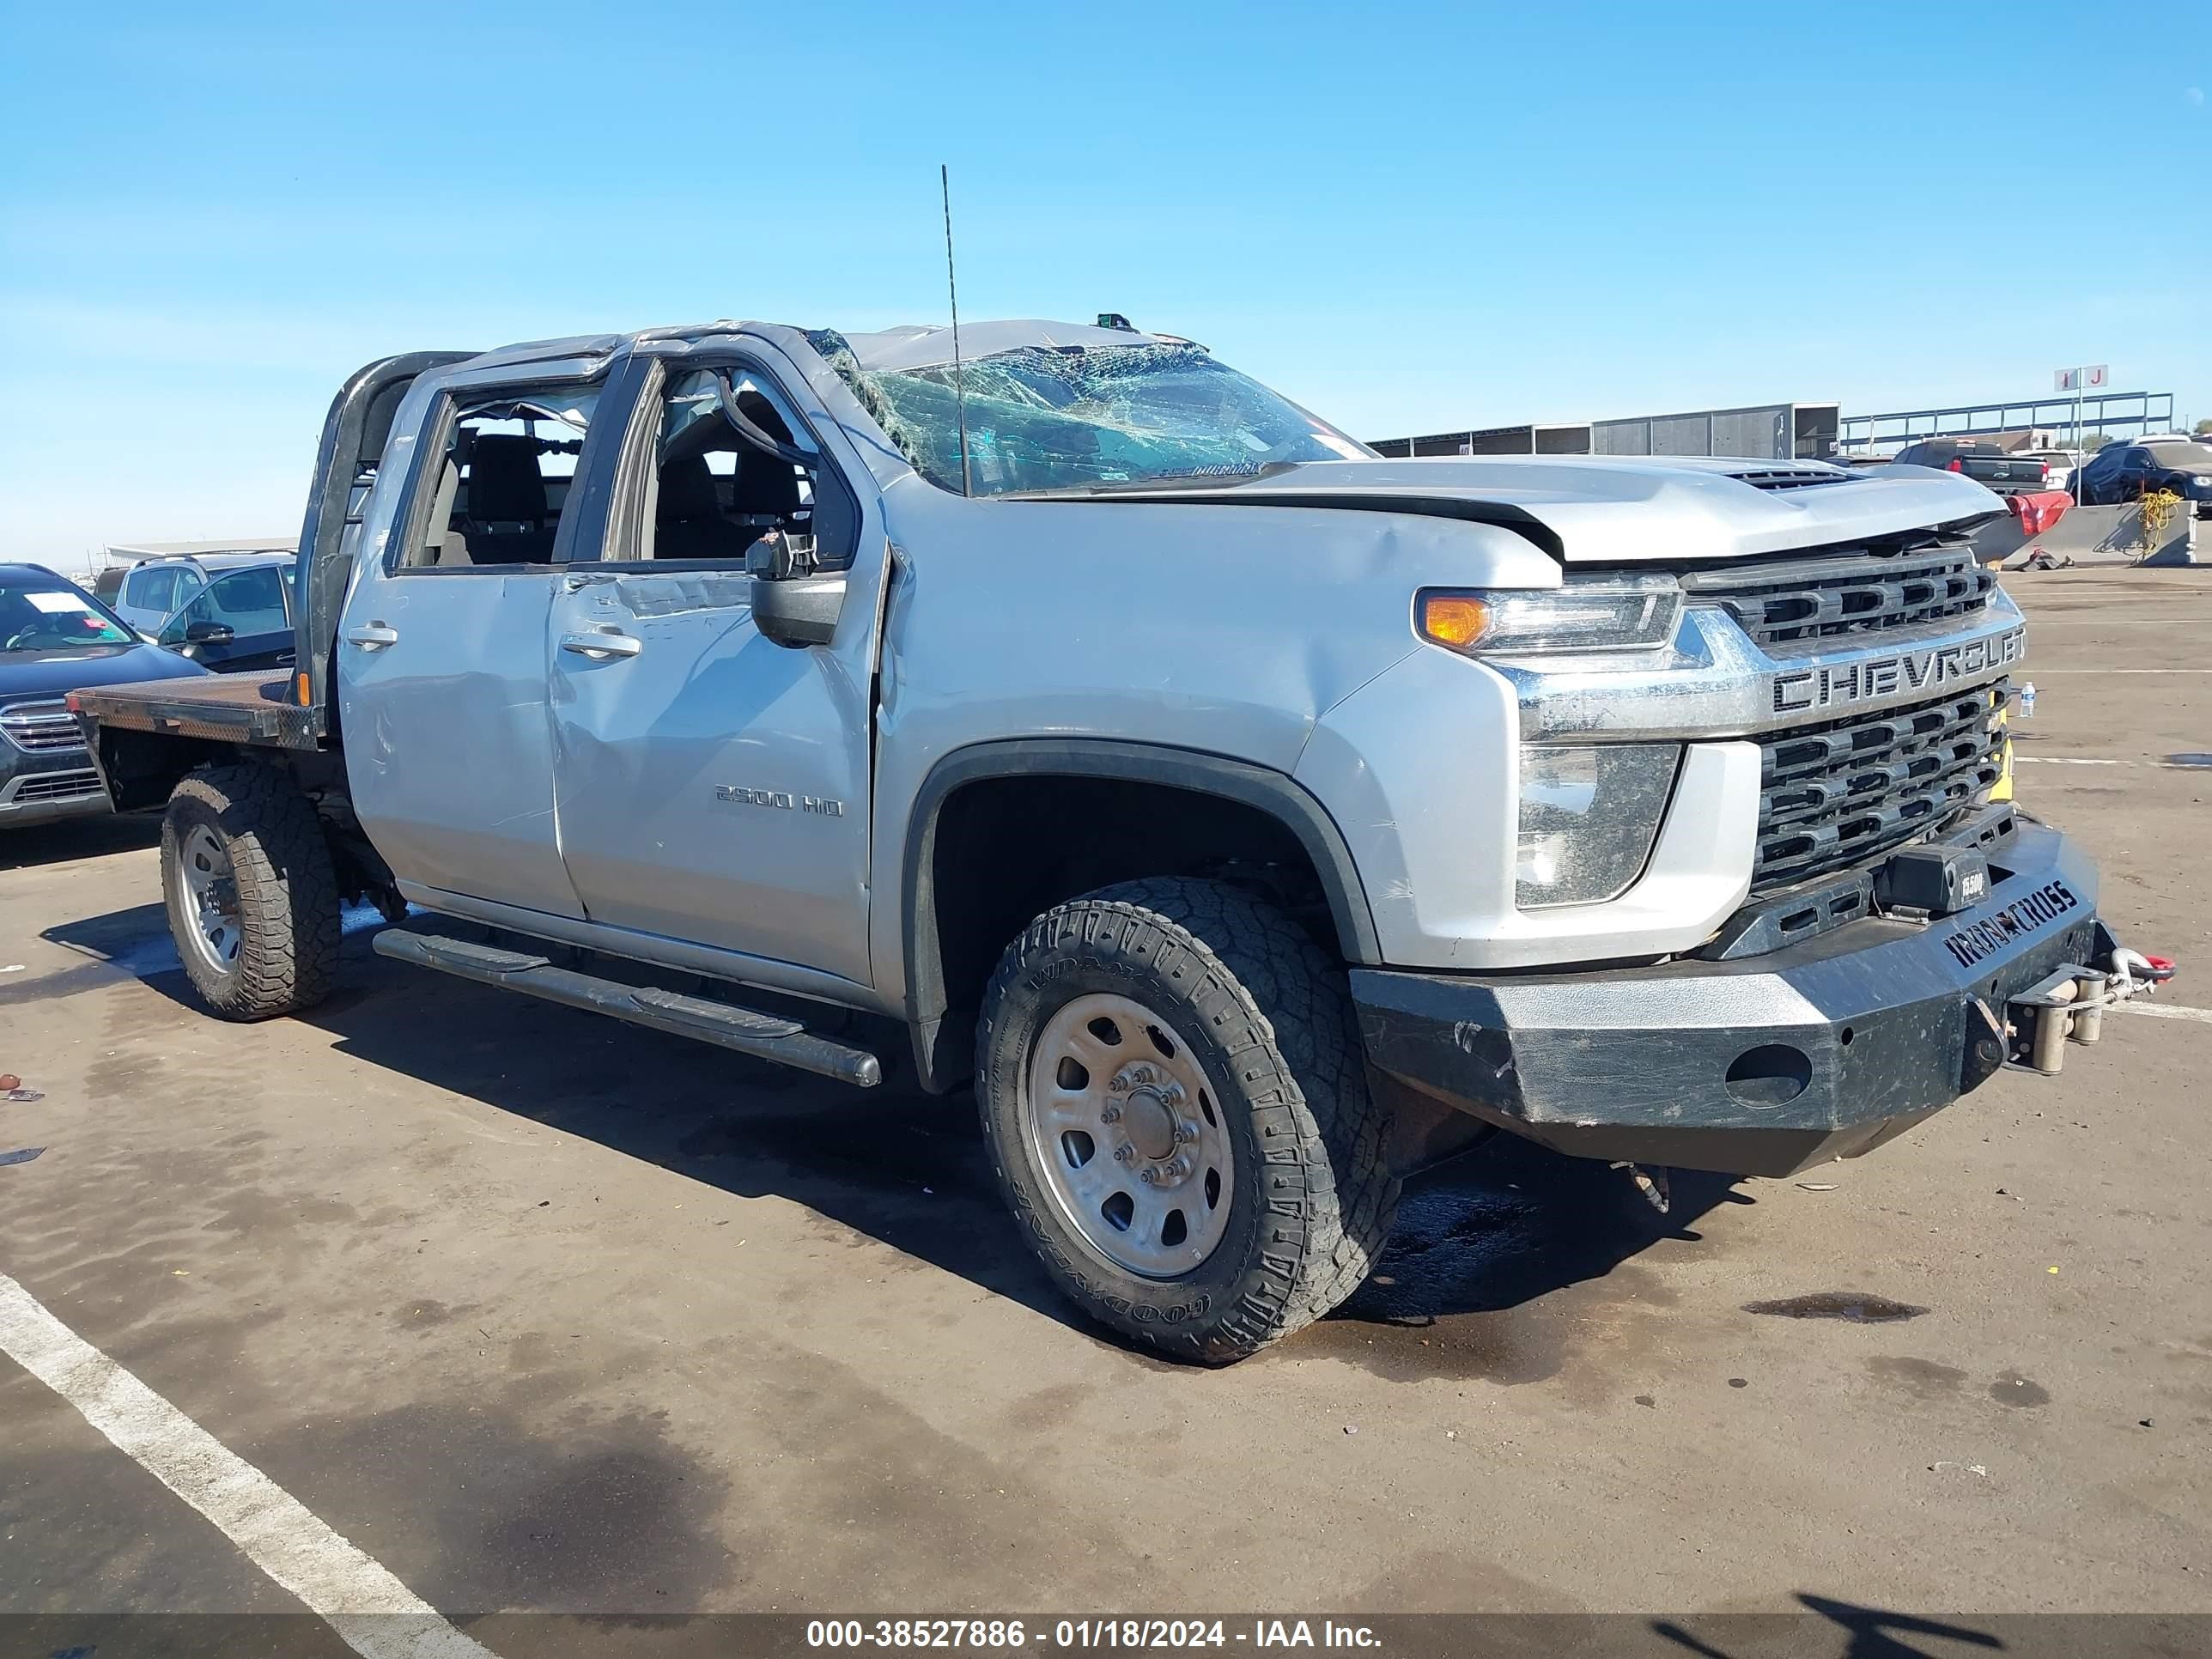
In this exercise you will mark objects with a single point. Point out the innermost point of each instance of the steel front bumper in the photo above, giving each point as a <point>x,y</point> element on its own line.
<point>1760,1065</point>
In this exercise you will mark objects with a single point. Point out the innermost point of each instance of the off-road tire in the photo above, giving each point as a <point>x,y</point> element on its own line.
<point>288,893</point>
<point>1271,1019</point>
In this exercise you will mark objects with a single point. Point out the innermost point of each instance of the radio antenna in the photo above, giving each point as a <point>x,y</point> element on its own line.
<point>959,373</point>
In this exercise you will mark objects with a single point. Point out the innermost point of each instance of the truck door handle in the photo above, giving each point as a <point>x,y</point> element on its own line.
<point>374,636</point>
<point>601,646</point>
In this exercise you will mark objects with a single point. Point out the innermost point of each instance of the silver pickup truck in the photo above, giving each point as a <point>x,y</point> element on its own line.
<point>1240,812</point>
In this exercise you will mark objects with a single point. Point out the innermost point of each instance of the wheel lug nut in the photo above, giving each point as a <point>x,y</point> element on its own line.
<point>1118,1083</point>
<point>1185,1133</point>
<point>1109,1114</point>
<point>1122,1154</point>
<point>1146,1176</point>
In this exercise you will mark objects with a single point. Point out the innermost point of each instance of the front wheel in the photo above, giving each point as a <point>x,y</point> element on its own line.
<point>252,899</point>
<point>1170,1079</point>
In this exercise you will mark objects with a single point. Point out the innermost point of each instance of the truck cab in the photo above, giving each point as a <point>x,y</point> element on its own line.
<point>570,560</point>
<point>1246,818</point>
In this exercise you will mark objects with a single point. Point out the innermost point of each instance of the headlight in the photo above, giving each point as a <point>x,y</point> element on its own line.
<point>1607,613</point>
<point>1589,816</point>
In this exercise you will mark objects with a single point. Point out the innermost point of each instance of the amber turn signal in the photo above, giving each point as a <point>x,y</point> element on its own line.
<point>1453,619</point>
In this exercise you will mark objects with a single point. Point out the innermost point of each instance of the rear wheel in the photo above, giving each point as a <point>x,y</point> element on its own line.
<point>1170,1077</point>
<point>252,899</point>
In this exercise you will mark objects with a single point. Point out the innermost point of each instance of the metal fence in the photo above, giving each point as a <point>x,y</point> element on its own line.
<point>1761,431</point>
<point>2123,414</point>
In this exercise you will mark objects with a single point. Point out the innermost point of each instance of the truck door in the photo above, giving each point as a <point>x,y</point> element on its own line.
<point>712,783</point>
<point>442,644</point>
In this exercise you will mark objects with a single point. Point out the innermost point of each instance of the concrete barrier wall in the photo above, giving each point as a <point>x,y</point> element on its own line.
<point>2109,535</point>
<point>2182,540</point>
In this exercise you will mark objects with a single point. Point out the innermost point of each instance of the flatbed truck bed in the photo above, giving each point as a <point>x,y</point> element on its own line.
<point>249,708</point>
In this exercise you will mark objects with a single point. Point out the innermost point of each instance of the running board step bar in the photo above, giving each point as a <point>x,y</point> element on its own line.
<point>765,1036</point>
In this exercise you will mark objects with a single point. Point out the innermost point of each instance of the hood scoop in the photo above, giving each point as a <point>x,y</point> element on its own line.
<point>1782,475</point>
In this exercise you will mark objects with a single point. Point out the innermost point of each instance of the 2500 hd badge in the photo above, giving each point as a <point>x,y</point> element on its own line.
<point>783,799</point>
<point>1885,677</point>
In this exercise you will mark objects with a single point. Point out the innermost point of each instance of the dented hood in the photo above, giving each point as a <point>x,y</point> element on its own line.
<point>1598,509</point>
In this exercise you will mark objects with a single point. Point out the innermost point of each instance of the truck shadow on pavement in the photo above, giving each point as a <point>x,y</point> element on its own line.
<point>1495,1229</point>
<point>1510,1261</point>
<point>68,839</point>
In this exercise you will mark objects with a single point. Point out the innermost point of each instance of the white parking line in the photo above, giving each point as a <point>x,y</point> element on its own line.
<point>2163,1011</point>
<point>2083,760</point>
<point>376,1615</point>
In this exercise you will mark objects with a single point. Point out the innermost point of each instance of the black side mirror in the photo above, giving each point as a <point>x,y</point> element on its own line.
<point>209,633</point>
<point>794,604</point>
<point>798,610</point>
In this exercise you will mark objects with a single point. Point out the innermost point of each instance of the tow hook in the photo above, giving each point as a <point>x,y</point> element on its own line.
<point>1652,1183</point>
<point>2069,1005</point>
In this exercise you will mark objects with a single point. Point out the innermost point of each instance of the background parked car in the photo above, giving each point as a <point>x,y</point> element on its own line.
<point>240,621</point>
<point>2062,463</point>
<point>1985,463</point>
<point>55,638</point>
<point>2119,473</point>
<point>154,590</point>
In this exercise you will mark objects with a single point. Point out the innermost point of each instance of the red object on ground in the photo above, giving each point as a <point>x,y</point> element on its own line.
<point>2038,510</point>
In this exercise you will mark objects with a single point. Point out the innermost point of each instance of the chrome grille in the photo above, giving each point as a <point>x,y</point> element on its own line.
<point>1802,600</point>
<point>43,728</point>
<point>55,786</point>
<point>1839,794</point>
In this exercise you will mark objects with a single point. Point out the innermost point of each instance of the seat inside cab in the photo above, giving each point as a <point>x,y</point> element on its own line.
<point>717,491</point>
<point>509,463</point>
<point>503,480</point>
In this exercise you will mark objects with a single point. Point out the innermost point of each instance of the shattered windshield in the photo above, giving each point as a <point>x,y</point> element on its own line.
<point>1076,418</point>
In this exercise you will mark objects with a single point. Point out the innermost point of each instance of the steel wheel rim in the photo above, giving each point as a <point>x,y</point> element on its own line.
<point>211,898</point>
<point>1130,1139</point>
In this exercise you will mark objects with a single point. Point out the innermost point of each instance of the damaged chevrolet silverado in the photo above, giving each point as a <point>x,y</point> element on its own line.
<point>1242,813</point>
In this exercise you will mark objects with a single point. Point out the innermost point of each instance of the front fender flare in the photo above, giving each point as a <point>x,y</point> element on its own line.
<point>1274,792</point>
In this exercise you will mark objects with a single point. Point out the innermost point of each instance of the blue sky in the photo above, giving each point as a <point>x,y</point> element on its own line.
<point>1408,217</point>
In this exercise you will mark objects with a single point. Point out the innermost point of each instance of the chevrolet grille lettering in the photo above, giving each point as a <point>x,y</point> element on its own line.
<point>1799,690</point>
